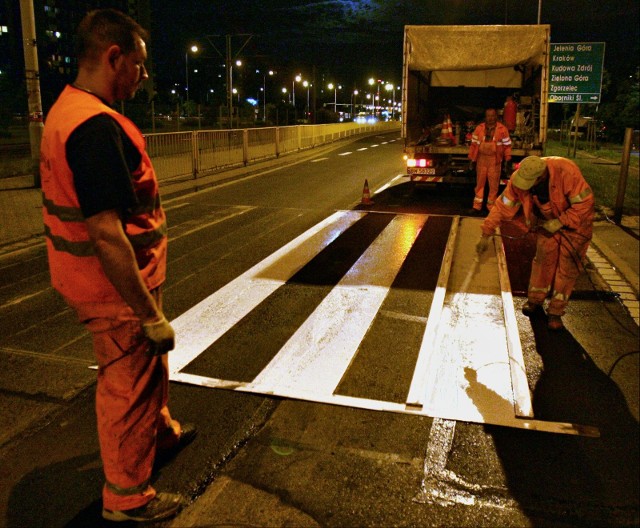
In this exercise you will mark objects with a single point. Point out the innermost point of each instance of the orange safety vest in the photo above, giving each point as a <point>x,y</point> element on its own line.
<point>500,137</point>
<point>75,270</point>
<point>570,200</point>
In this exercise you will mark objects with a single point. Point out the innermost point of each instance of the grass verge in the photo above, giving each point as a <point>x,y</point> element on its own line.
<point>601,169</point>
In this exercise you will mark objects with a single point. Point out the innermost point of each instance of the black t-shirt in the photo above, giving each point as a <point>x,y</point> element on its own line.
<point>102,159</point>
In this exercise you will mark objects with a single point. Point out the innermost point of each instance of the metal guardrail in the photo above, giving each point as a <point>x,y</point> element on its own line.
<point>188,155</point>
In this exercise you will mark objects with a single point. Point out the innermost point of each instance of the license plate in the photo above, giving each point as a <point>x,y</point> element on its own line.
<point>422,170</point>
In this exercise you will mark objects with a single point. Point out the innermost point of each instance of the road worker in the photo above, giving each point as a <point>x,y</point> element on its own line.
<point>490,147</point>
<point>509,114</point>
<point>558,204</point>
<point>106,238</point>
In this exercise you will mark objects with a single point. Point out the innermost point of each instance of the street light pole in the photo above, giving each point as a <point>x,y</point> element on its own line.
<point>194,49</point>
<point>32,77</point>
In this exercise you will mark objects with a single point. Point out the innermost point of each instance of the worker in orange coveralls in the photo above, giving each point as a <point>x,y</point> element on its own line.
<point>106,240</point>
<point>490,146</point>
<point>558,204</point>
<point>509,114</point>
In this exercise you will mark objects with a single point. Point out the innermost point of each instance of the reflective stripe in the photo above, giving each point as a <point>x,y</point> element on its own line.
<point>133,490</point>
<point>85,248</point>
<point>560,296</point>
<point>540,290</point>
<point>64,213</point>
<point>77,249</point>
<point>478,200</point>
<point>579,197</point>
<point>508,202</point>
<point>506,141</point>
<point>148,238</point>
<point>148,205</point>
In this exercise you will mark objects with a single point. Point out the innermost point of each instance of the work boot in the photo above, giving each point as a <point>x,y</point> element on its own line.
<point>162,506</point>
<point>530,308</point>
<point>554,322</point>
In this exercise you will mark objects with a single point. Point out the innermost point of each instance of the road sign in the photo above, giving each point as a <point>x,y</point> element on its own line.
<point>575,72</point>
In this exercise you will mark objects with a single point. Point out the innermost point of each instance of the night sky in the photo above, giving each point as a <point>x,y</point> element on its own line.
<point>350,41</point>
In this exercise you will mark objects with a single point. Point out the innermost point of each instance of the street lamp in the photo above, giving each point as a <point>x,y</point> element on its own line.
<point>284,91</point>
<point>193,49</point>
<point>391,87</point>
<point>297,78</point>
<point>331,86</point>
<point>264,94</point>
<point>306,110</point>
<point>353,99</point>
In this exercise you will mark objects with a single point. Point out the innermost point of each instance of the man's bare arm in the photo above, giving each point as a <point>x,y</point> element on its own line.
<point>117,257</point>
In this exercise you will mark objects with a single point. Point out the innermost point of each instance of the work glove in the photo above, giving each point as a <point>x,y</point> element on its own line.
<point>552,225</point>
<point>482,245</point>
<point>160,335</point>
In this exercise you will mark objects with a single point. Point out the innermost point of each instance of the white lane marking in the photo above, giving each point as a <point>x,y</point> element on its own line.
<point>388,184</point>
<point>317,160</point>
<point>384,142</point>
<point>363,148</point>
<point>374,146</point>
<point>205,322</point>
<point>23,298</point>
<point>176,206</point>
<point>345,153</point>
<point>243,210</point>
<point>316,357</point>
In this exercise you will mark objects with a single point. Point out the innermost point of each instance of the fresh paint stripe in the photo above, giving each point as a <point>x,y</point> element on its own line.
<point>521,394</point>
<point>318,354</point>
<point>205,322</point>
<point>374,146</point>
<point>363,148</point>
<point>318,159</point>
<point>345,153</point>
<point>427,348</point>
<point>379,405</point>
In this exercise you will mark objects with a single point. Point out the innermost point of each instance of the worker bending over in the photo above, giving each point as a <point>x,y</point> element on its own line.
<point>558,204</point>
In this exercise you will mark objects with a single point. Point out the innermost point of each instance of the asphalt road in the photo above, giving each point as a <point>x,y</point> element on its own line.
<point>317,464</point>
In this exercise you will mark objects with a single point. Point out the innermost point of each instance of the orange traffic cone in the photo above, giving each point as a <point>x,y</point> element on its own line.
<point>446,134</point>
<point>366,196</point>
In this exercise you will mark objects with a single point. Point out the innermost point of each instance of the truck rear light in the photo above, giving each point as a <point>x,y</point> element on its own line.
<point>420,162</point>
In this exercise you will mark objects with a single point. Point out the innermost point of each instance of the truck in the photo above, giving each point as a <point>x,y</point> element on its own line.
<point>451,75</point>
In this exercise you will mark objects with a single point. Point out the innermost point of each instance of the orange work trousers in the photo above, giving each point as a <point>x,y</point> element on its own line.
<point>557,265</point>
<point>487,169</point>
<point>131,408</point>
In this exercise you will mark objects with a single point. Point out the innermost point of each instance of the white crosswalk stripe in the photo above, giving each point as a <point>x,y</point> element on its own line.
<point>469,367</point>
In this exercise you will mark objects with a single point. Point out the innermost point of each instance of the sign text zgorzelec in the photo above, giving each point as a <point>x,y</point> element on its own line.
<point>575,72</point>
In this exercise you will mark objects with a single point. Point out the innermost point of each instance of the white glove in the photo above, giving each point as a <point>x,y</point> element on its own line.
<point>161,336</point>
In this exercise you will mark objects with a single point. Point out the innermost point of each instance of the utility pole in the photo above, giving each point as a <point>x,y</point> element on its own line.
<point>228,60</point>
<point>32,75</point>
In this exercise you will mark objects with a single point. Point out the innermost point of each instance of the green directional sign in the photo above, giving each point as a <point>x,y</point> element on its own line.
<point>575,72</point>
